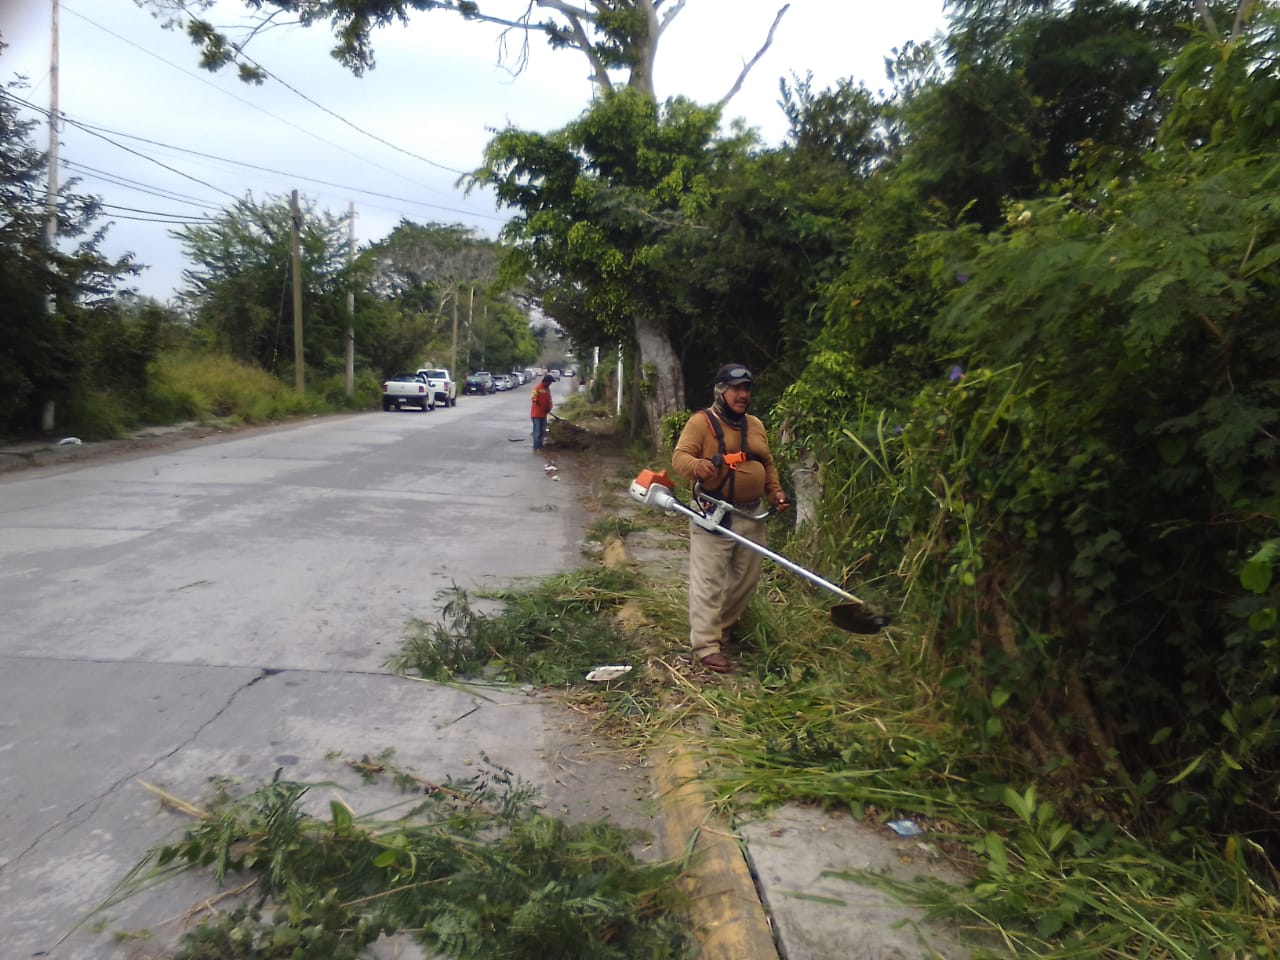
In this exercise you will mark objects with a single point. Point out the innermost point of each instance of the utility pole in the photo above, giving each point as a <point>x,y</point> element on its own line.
<point>471,311</point>
<point>454,368</point>
<point>351,299</point>
<point>619,406</point>
<point>47,415</point>
<point>299,371</point>
<point>51,226</point>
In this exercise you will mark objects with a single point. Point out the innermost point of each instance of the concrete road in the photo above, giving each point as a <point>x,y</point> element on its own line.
<point>226,609</point>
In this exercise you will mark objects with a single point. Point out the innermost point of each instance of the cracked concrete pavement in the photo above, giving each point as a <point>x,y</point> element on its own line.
<point>225,608</point>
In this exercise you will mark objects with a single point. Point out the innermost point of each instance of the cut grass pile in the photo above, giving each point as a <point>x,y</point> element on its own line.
<point>472,869</point>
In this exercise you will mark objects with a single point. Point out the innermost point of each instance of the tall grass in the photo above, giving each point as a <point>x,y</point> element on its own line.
<point>210,386</point>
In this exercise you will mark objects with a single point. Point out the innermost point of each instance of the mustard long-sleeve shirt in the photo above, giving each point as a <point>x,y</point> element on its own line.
<point>756,478</point>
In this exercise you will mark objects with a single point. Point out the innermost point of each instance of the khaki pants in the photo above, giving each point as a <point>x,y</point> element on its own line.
<point>722,576</point>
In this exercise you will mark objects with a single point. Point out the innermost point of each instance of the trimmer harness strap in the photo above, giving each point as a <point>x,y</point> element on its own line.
<point>723,458</point>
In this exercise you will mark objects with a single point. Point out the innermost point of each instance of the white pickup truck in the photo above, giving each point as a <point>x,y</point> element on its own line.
<point>407,389</point>
<point>443,387</point>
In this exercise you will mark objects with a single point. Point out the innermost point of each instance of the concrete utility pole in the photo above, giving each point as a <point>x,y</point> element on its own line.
<point>51,227</point>
<point>351,301</point>
<point>299,371</point>
<point>48,412</point>
<point>454,368</point>
<point>471,312</point>
<point>619,407</point>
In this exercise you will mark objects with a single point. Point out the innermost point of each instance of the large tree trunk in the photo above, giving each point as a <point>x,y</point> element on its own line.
<point>660,375</point>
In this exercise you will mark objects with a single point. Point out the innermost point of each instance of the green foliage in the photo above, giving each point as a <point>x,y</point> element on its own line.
<point>208,386</point>
<point>473,870</point>
<point>1054,438</point>
<point>52,300</point>
<point>426,277</point>
<point>599,203</point>
<point>239,289</point>
<point>552,634</point>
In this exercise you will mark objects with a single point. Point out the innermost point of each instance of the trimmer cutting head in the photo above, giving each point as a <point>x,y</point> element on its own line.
<point>856,618</point>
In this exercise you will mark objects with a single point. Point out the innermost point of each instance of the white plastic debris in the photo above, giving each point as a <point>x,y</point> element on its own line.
<point>905,828</point>
<point>607,673</point>
<point>69,442</point>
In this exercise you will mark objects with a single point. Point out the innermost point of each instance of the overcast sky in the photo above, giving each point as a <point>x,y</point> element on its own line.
<point>173,141</point>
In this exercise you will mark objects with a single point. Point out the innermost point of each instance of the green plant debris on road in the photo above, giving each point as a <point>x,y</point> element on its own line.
<point>549,634</point>
<point>472,869</point>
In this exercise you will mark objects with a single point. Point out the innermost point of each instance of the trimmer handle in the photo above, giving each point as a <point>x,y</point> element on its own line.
<point>724,506</point>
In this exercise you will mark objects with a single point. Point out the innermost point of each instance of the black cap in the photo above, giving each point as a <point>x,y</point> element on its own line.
<point>548,378</point>
<point>733,373</point>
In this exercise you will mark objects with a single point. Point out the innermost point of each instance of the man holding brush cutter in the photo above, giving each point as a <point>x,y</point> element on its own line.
<point>726,450</point>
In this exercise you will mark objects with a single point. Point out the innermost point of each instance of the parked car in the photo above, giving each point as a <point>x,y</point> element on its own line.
<point>442,385</point>
<point>407,389</point>
<point>480,382</point>
<point>505,381</point>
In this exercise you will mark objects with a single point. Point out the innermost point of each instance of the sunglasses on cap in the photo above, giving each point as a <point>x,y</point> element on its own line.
<point>733,374</point>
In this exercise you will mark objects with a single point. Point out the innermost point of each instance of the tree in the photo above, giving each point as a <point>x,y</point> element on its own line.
<point>607,205</point>
<point>619,39</point>
<point>238,289</point>
<point>427,269</point>
<point>48,296</point>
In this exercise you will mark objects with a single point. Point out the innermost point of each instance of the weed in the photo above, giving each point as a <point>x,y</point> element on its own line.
<point>611,527</point>
<point>551,634</point>
<point>474,870</point>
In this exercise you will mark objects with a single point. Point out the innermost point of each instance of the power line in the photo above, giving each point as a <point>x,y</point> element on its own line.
<point>135,185</point>
<point>76,123</point>
<point>158,213</point>
<point>100,131</point>
<point>289,123</point>
<point>319,106</point>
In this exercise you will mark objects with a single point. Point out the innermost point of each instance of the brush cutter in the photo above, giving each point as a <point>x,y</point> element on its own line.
<point>655,489</point>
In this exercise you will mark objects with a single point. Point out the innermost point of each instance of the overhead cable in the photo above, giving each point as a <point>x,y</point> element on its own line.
<point>271,170</point>
<point>297,92</point>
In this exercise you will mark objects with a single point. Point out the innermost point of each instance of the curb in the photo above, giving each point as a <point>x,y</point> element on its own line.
<point>729,921</point>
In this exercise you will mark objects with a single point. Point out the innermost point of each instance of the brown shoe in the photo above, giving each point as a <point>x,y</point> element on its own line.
<point>717,663</point>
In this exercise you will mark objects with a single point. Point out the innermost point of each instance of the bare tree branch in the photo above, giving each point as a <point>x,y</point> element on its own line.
<point>1202,7</point>
<point>737,84</point>
<point>599,72</point>
<point>1242,14</point>
<point>669,15</point>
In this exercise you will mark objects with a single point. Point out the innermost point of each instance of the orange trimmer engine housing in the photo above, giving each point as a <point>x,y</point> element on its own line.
<point>647,477</point>
<point>654,488</point>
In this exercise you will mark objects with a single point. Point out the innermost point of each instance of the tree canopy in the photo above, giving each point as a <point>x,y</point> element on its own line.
<point>51,296</point>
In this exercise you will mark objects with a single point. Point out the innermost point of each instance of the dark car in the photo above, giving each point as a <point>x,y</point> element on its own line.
<point>481,382</point>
